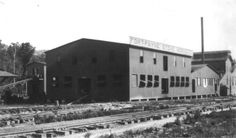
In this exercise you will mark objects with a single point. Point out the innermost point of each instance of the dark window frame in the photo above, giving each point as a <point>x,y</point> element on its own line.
<point>182,83</point>
<point>177,81</point>
<point>101,81</point>
<point>156,81</point>
<point>142,80</point>
<point>165,63</point>
<point>172,81</point>
<point>149,80</point>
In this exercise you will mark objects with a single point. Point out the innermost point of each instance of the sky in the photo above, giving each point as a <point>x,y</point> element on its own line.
<point>47,24</point>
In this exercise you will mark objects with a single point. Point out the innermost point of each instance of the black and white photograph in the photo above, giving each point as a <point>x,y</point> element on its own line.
<point>117,68</point>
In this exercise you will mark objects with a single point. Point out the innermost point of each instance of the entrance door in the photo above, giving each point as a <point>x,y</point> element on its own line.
<point>84,87</point>
<point>164,86</point>
<point>193,85</point>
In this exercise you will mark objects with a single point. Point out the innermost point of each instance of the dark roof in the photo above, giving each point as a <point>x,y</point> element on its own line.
<point>6,74</point>
<point>74,44</point>
<point>199,66</point>
<point>212,55</point>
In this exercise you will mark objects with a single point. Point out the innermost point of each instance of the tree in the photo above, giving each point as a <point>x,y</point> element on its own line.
<point>24,54</point>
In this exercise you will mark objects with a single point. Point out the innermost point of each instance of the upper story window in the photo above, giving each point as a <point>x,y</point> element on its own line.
<point>74,60</point>
<point>165,63</point>
<point>112,55</point>
<point>184,63</point>
<point>58,59</point>
<point>94,60</point>
<point>175,61</point>
<point>141,56</point>
<point>154,58</point>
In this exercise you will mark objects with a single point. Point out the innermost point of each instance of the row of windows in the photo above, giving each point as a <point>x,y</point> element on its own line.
<point>101,81</point>
<point>206,81</point>
<point>153,81</point>
<point>165,60</point>
<point>179,81</point>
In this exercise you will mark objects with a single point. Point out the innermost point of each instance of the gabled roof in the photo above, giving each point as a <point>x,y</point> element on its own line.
<point>213,56</point>
<point>6,74</point>
<point>200,66</point>
<point>73,44</point>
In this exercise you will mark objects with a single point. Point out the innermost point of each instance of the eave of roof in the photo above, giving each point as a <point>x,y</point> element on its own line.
<point>6,74</point>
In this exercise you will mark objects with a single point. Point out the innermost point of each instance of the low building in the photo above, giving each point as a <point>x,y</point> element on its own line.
<point>104,71</point>
<point>222,62</point>
<point>205,81</point>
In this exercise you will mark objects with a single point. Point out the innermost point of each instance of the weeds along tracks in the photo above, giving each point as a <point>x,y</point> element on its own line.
<point>105,120</point>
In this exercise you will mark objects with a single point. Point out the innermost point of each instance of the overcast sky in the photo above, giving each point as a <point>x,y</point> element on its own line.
<point>47,24</point>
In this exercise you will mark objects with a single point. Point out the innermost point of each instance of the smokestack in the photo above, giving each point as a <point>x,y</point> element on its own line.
<point>202,35</point>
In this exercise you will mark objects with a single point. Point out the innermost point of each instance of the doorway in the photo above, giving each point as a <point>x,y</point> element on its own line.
<point>84,88</point>
<point>193,85</point>
<point>164,86</point>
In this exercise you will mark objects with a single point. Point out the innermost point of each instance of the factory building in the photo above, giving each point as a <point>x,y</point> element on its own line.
<point>205,81</point>
<point>94,70</point>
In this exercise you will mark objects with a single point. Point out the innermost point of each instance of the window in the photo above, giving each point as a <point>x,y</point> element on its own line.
<point>112,55</point>
<point>142,81</point>
<point>204,82</point>
<point>141,60</point>
<point>175,62</point>
<point>74,60</point>
<point>67,81</point>
<point>149,81</point>
<point>117,80</point>
<point>187,82</point>
<point>210,81</point>
<point>165,63</point>
<point>198,81</point>
<point>94,60</point>
<point>184,63</point>
<point>182,82</point>
<point>172,81</point>
<point>101,81</point>
<point>58,59</point>
<point>55,82</point>
<point>156,81</point>
<point>134,80</point>
<point>154,58</point>
<point>177,82</point>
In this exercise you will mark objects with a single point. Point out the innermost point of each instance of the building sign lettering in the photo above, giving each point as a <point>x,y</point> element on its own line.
<point>159,46</point>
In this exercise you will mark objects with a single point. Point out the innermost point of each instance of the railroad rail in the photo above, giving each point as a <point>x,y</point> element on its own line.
<point>77,126</point>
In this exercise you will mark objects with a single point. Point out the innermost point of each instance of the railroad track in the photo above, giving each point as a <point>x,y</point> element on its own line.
<point>103,122</point>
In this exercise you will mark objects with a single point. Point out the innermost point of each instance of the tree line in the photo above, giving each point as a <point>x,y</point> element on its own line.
<point>15,57</point>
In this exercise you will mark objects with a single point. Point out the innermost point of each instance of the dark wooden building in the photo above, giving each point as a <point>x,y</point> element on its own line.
<point>104,71</point>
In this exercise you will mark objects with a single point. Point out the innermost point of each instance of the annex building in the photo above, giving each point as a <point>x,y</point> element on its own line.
<point>94,70</point>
